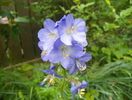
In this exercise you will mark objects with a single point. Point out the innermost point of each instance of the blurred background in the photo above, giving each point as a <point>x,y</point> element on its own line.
<point>109,35</point>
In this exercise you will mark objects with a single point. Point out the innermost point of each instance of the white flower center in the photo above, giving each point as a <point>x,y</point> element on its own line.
<point>70,30</point>
<point>53,35</point>
<point>80,66</point>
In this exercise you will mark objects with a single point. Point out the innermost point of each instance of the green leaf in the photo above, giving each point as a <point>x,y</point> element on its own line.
<point>109,26</point>
<point>6,3</point>
<point>21,19</point>
<point>108,2</point>
<point>21,96</point>
<point>127,12</point>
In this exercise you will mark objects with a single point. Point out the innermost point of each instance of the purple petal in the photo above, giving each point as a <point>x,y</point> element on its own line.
<point>76,50</point>
<point>41,45</point>
<point>42,34</point>
<point>84,84</point>
<point>46,71</point>
<point>41,84</point>
<point>73,69</point>
<point>62,27</point>
<point>80,37</point>
<point>58,44</point>
<point>60,21</point>
<point>67,62</point>
<point>49,24</point>
<point>66,39</point>
<point>44,58</point>
<point>51,72</point>
<point>55,56</point>
<point>69,20</point>
<point>80,25</point>
<point>52,67</point>
<point>86,57</point>
<point>74,88</point>
<point>56,75</point>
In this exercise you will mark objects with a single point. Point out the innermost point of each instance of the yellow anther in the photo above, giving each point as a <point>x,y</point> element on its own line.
<point>73,28</point>
<point>51,82</point>
<point>66,55</point>
<point>68,31</point>
<point>52,35</point>
<point>81,92</point>
<point>82,89</point>
<point>81,68</point>
<point>44,52</point>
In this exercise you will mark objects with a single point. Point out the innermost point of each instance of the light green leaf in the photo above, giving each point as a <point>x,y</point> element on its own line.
<point>127,12</point>
<point>21,19</point>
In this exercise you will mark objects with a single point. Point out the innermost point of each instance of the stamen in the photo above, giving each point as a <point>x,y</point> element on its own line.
<point>82,89</point>
<point>73,28</point>
<point>52,35</point>
<point>81,92</point>
<point>66,55</point>
<point>68,31</point>
<point>43,82</point>
<point>64,48</point>
<point>51,82</point>
<point>44,52</point>
<point>81,68</point>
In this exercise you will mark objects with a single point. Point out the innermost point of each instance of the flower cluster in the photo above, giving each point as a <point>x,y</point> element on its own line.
<point>63,42</point>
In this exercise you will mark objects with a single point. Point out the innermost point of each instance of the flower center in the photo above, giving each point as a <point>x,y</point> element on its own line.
<point>73,28</point>
<point>70,30</point>
<point>51,81</point>
<point>44,52</point>
<point>63,48</point>
<point>52,35</point>
<point>80,66</point>
<point>66,55</point>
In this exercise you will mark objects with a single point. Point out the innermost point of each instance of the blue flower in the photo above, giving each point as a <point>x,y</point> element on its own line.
<point>51,71</point>
<point>72,29</point>
<point>41,84</point>
<point>51,75</point>
<point>78,88</point>
<point>64,54</point>
<point>79,63</point>
<point>47,36</point>
<point>60,21</point>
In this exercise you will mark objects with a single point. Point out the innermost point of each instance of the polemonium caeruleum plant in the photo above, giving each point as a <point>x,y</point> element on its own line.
<point>63,42</point>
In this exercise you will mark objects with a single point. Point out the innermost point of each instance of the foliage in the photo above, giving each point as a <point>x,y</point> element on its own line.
<point>113,80</point>
<point>48,9</point>
<point>10,28</point>
<point>9,20</point>
<point>109,30</point>
<point>109,35</point>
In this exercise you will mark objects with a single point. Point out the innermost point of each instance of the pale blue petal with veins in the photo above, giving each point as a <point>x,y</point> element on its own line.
<point>47,36</point>
<point>80,63</point>
<point>64,54</point>
<point>75,88</point>
<point>73,29</point>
